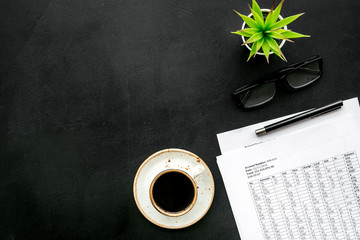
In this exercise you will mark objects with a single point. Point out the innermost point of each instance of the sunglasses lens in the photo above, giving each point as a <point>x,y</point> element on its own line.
<point>258,95</point>
<point>304,75</point>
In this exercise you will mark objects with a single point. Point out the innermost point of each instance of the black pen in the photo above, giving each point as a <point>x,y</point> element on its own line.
<point>308,114</point>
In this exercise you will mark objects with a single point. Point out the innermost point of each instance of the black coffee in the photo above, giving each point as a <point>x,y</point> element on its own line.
<point>173,191</point>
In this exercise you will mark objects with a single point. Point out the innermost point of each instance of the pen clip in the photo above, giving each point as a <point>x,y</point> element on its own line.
<point>328,111</point>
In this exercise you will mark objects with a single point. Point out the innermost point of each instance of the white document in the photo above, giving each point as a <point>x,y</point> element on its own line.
<point>244,137</point>
<point>303,184</point>
<point>305,190</point>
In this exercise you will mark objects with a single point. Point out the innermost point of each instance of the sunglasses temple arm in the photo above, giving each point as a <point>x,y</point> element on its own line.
<point>316,57</point>
<point>239,90</point>
<point>244,88</point>
<point>256,83</point>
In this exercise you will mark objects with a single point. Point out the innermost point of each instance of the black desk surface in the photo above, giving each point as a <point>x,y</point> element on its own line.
<point>91,88</point>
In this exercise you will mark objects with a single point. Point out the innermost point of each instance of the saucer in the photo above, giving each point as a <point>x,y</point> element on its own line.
<point>173,159</point>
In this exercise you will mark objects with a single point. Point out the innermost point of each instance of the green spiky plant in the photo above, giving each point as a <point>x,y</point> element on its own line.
<point>261,33</point>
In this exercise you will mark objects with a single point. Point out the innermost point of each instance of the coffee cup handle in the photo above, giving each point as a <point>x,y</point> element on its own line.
<point>196,171</point>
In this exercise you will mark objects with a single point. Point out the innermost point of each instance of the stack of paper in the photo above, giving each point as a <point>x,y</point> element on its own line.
<point>298,182</point>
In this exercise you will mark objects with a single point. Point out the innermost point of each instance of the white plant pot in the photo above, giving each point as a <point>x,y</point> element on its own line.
<point>244,24</point>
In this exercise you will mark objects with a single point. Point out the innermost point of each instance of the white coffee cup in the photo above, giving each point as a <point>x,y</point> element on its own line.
<point>156,170</point>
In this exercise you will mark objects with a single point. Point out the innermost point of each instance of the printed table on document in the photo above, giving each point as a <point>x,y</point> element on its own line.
<point>316,201</point>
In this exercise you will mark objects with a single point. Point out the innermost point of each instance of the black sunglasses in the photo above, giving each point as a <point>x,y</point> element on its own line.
<point>293,77</point>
